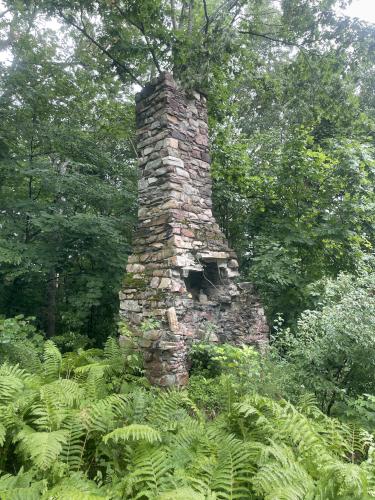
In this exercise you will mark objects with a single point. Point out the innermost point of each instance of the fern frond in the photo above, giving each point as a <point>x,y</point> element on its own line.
<point>10,387</point>
<point>76,487</point>
<point>308,405</point>
<point>3,432</point>
<point>21,487</point>
<point>151,469</point>
<point>281,476</point>
<point>347,480</point>
<point>183,494</point>
<point>169,408</point>
<point>233,470</point>
<point>138,406</point>
<point>75,359</point>
<point>55,402</point>
<point>12,382</point>
<point>14,371</point>
<point>135,432</point>
<point>64,392</point>
<point>74,447</point>
<point>43,448</point>
<point>100,416</point>
<point>52,361</point>
<point>112,349</point>
<point>357,440</point>
<point>95,380</point>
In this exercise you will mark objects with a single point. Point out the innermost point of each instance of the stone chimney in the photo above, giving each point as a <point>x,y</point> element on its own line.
<point>182,274</point>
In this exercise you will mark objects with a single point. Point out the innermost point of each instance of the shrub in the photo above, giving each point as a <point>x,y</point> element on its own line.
<point>211,359</point>
<point>20,342</point>
<point>332,353</point>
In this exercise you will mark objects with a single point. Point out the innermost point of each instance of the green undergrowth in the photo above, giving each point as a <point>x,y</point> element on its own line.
<point>87,425</point>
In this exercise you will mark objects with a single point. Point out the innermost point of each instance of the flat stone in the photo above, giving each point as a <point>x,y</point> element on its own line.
<point>130,305</point>
<point>171,142</point>
<point>152,335</point>
<point>164,283</point>
<point>154,282</point>
<point>187,232</point>
<point>212,255</point>
<point>201,139</point>
<point>135,268</point>
<point>167,380</point>
<point>145,343</point>
<point>182,173</point>
<point>172,119</point>
<point>172,160</point>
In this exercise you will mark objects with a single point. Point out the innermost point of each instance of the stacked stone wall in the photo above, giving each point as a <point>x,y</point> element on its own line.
<point>182,271</point>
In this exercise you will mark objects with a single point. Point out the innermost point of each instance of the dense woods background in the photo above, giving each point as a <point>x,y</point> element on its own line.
<point>291,104</point>
<point>290,87</point>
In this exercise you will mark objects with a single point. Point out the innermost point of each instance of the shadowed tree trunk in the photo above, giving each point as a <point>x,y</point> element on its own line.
<point>51,303</point>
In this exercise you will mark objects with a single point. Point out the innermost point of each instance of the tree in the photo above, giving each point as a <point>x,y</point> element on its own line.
<point>293,165</point>
<point>67,187</point>
<point>289,93</point>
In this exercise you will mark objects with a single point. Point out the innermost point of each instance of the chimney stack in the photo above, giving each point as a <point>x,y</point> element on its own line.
<point>182,275</point>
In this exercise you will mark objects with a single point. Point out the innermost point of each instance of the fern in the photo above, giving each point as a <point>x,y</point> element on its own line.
<point>169,408</point>
<point>100,416</point>
<point>52,361</point>
<point>344,480</point>
<point>357,441</point>
<point>153,444</point>
<point>95,380</point>
<point>233,471</point>
<point>138,406</point>
<point>184,494</point>
<point>112,350</point>
<point>42,448</point>
<point>76,487</point>
<point>74,446</point>
<point>281,476</point>
<point>135,432</point>
<point>151,470</point>
<point>11,383</point>
<point>21,487</point>
<point>55,401</point>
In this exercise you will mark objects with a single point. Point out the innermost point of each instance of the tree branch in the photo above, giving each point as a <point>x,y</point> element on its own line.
<point>141,28</point>
<point>271,38</point>
<point>182,15</point>
<point>116,62</point>
<point>4,13</point>
<point>191,14</point>
<point>206,16</point>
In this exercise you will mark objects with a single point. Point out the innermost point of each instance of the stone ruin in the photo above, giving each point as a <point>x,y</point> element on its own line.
<point>182,271</point>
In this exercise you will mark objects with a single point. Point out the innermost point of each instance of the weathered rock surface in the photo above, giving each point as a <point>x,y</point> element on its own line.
<point>182,271</point>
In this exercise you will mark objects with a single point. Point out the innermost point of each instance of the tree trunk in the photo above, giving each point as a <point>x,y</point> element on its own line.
<point>51,303</point>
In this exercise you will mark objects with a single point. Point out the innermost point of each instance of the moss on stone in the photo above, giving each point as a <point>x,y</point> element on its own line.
<point>159,296</point>
<point>137,283</point>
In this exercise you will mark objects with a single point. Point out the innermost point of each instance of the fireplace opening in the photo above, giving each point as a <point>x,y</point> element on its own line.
<point>203,283</point>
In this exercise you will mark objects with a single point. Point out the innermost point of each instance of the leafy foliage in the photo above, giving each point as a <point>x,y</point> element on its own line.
<point>67,187</point>
<point>289,87</point>
<point>291,105</point>
<point>69,441</point>
<point>332,352</point>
